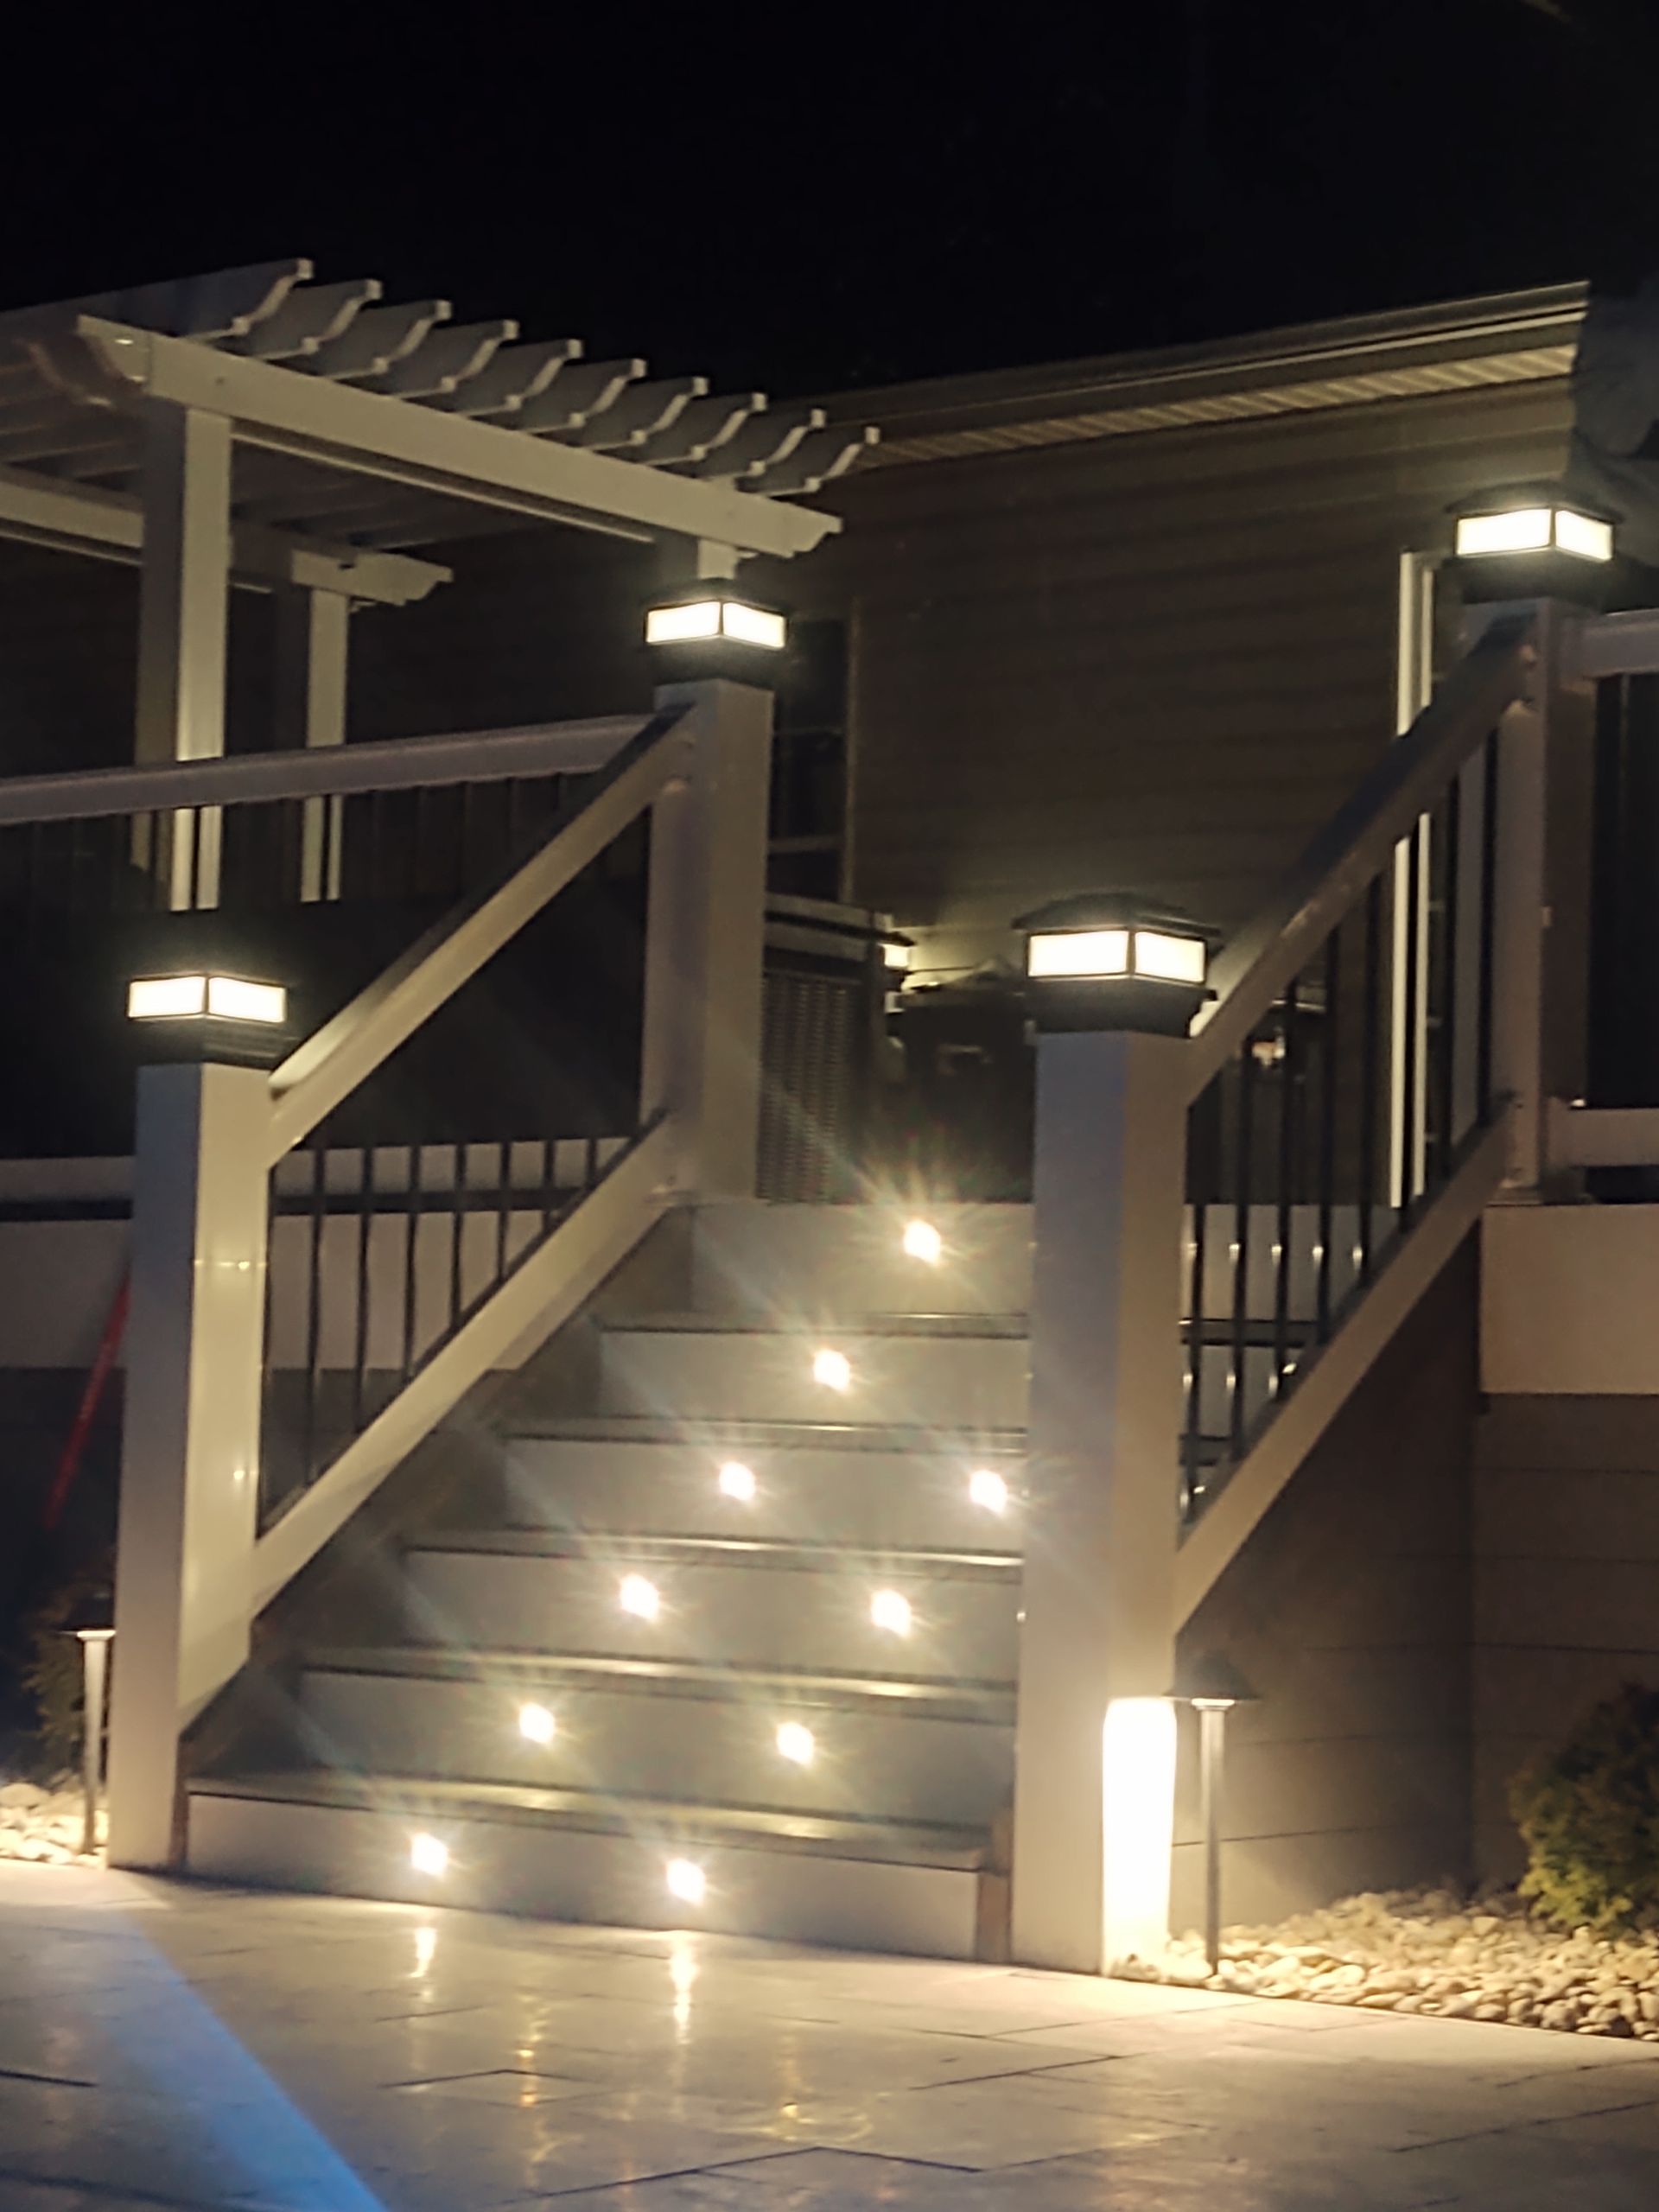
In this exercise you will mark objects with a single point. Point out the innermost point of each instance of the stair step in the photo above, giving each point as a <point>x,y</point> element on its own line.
<point>953,1375</point>
<point>761,1604</point>
<point>572,1855</point>
<point>851,1259</point>
<point>844,1490</point>
<point>685,1733</point>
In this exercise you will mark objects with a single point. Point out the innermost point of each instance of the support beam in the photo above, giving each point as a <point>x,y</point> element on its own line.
<point>190,1435</point>
<point>1095,1741</point>
<point>183,624</point>
<point>313,640</point>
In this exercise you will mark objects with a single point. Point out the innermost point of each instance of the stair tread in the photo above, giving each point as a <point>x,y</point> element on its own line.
<point>716,1551</point>
<point>709,1433</point>
<point>972,1701</point>
<point>895,1842</point>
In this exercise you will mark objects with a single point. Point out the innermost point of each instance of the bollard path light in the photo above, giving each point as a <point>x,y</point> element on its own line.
<point>1212,1687</point>
<point>1102,960</point>
<point>94,1637</point>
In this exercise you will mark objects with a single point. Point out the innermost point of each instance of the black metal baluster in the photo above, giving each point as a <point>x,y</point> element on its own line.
<point>411,1255</point>
<point>319,1211</point>
<point>1240,1317</point>
<point>549,1182</point>
<point>1328,1135</point>
<point>1446,1106</point>
<point>1488,920</point>
<point>1289,1072</point>
<point>266,1500</point>
<point>504,1210</point>
<point>590,1176</point>
<point>1414,1009</point>
<point>458,1215</point>
<point>1370,1011</point>
<point>365,1231</point>
<point>1191,1482</point>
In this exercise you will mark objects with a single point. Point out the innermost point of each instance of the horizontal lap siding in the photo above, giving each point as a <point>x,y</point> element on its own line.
<point>1156,662</point>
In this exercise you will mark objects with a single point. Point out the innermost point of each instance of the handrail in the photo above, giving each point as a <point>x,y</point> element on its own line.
<point>1254,968</point>
<point>396,763</point>
<point>329,1065</point>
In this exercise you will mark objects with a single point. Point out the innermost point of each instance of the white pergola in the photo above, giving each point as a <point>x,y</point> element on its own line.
<point>254,428</point>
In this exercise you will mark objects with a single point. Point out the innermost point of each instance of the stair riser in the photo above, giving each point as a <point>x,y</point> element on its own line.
<point>745,1615</point>
<point>850,1259</point>
<point>615,1881</point>
<point>877,1766</point>
<point>959,1384</point>
<point>872,1499</point>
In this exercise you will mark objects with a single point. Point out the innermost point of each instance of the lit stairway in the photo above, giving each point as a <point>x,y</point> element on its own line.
<point>734,1648</point>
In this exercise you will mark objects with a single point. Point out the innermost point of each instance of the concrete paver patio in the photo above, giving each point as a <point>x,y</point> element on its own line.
<point>166,2045</point>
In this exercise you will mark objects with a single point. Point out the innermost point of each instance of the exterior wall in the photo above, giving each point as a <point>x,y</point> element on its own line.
<point>1154,662</point>
<point>1348,1611</point>
<point>1567,1299</point>
<point>1566,1582</point>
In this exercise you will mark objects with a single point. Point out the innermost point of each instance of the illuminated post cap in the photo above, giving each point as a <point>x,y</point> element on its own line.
<point>1102,960</point>
<point>716,628</point>
<point>203,1015</point>
<point>1532,541</point>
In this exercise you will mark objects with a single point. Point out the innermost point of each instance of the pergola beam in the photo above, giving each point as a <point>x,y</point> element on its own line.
<point>340,427</point>
<point>110,525</point>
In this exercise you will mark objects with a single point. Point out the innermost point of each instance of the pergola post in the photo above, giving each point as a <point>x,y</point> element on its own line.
<point>184,625</point>
<point>313,643</point>
<point>706,933</point>
<point>1095,1743</point>
<point>190,1430</point>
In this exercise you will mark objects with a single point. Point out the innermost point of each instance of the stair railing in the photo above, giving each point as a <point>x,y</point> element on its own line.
<point>1371,1073</point>
<point>214,1166</point>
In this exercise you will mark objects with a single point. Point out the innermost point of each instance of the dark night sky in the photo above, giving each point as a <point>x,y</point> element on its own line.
<point>808,199</point>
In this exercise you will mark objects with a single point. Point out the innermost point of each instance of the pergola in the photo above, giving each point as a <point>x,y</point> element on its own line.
<point>256,429</point>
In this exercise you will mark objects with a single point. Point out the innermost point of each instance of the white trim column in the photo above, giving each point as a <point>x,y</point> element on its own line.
<point>1095,1743</point>
<point>313,647</point>
<point>190,1430</point>
<point>183,624</point>
<point>706,934</point>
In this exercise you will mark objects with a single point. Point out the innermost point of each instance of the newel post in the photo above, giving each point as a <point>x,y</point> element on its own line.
<point>705,922</point>
<point>190,1430</point>
<point>1112,994</point>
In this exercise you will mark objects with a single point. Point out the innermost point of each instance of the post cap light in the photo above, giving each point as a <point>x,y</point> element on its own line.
<point>897,951</point>
<point>206,998</point>
<point>715,627</point>
<point>1102,960</point>
<point>1526,540</point>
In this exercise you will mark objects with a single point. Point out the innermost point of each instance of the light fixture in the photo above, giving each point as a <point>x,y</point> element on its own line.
<point>637,1595</point>
<point>833,1369</point>
<point>921,1241</point>
<point>206,998</point>
<point>796,1743</point>
<point>686,1880</point>
<point>714,612</point>
<point>897,952</point>
<point>1101,961</point>
<point>987,1487</point>
<point>1534,541</point>
<point>737,1481</point>
<point>1212,1687</point>
<point>428,1854</point>
<point>537,1725</point>
<point>890,1610</point>
<point>1547,527</point>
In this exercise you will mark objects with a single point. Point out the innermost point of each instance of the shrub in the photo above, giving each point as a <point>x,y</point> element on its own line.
<point>53,1672</point>
<point>1590,1816</point>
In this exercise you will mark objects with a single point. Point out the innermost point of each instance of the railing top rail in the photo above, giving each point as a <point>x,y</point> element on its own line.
<point>1257,965</point>
<point>329,1064</point>
<point>399,763</point>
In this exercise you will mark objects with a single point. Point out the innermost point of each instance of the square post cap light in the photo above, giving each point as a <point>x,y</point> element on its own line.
<point>204,1016</point>
<point>1105,961</point>
<point>715,626</point>
<point>1534,541</point>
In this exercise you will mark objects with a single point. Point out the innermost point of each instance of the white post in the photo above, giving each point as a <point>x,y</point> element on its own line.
<point>1095,1734</point>
<point>190,1432</point>
<point>1413,687</point>
<point>705,938</point>
<point>1541,918</point>
<point>183,623</point>
<point>313,644</point>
